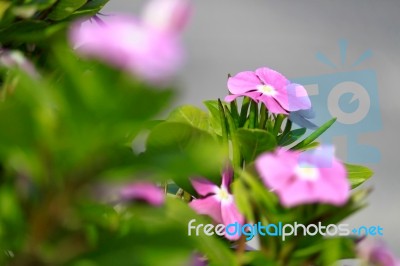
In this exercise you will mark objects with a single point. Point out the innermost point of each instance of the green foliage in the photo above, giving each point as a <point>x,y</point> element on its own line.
<point>64,8</point>
<point>181,151</point>
<point>157,236</point>
<point>191,115</point>
<point>66,144</point>
<point>358,174</point>
<point>253,142</point>
<point>313,136</point>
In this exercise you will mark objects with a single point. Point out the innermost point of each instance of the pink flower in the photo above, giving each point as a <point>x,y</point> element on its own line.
<point>127,43</point>
<point>376,253</point>
<point>301,178</point>
<point>15,59</point>
<point>143,191</point>
<point>167,15</point>
<point>270,87</point>
<point>218,202</point>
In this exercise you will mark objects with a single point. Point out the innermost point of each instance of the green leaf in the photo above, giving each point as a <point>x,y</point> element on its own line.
<point>292,136</point>
<point>358,174</point>
<point>180,151</point>
<point>264,199</point>
<point>244,110</point>
<point>236,155</point>
<point>3,8</point>
<point>65,8</point>
<point>175,136</point>
<point>215,118</point>
<point>234,112</point>
<point>253,142</point>
<point>224,126</point>
<point>191,115</point>
<point>94,5</point>
<point>311,146</point>
<point>242,200</point>
<point>253,116</point>
<point>25,31</point>
<point>91,8</point>
<point>313,136</point>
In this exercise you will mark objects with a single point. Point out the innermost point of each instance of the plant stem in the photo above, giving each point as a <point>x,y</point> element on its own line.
<point>236,160</point>
<point>244,111</point>
<point>253,116</point>
<point>278,124</point>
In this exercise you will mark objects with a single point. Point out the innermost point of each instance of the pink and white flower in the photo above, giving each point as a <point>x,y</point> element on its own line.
<point>126,43</point>
<point>217,201</point>
<point>168,15</point>
<point>376,253</point>
<point>270,87</point>
<point>143,191</point>
<point>301,178</point>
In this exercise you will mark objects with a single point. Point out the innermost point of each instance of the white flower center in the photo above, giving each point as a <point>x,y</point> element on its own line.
<point>267,90</point>
<point>222,194</point>
<point>307,172</point>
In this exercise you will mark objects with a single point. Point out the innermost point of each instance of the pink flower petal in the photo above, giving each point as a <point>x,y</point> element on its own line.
<point>243,82</point>
<point>210,206</point>
<point>273,78</point>
<point>231,215</point>
<point>377,253</point>
<point>326,183</point>
<point>272,105</point>
<point>167,15</point>
<point>336,178</point>
<point>253,95</point>
<point>145,191</point>
<point>276,169</point>
<point>296,193</point>
<point>227,176</point>
<point>204,186</point>
<point>126,43</point>
<point>232,97</point>
<point>283,100</point>
<point>297,98</point>
<point>330,193</point>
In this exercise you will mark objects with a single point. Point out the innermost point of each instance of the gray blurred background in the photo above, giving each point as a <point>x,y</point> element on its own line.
<point>231,36</point>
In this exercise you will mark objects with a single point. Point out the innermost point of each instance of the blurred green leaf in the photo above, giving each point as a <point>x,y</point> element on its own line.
<point>156,236</point>
<point>291,136</point>
<point>65,8</point>
<point>242,200</point>
<point>185,151</point>
<point>91,8</point>
<point>253,142</point>
<point>215,117</point>
<point>358,174</point>
<point>191,115</point>
<point>313,136</point>
<point>24,31</point>
<point>3,7</point>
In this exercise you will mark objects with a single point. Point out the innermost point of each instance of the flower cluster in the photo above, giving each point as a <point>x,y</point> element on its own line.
<point>148,47</point>
<point>279,95</point>
<point>69,128</point>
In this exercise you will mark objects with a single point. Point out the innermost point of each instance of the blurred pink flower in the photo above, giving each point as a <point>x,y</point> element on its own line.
<point>143,191</point>
<point>218,202</point>
<point>271,88</point>
<point>15,59</point>
<point>127,43</point>
<point>376,253</point>
<point>301,178</point>
<point>167,15</point>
